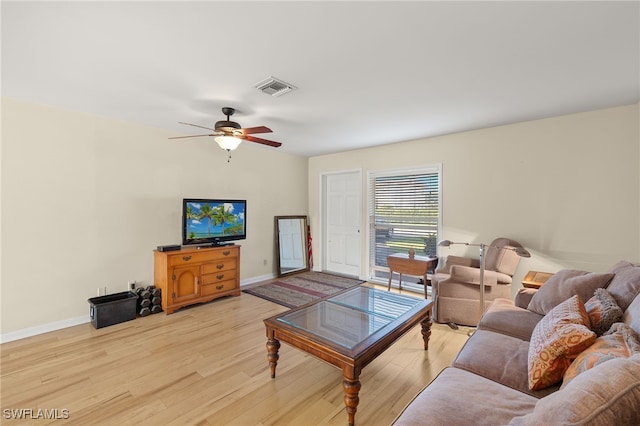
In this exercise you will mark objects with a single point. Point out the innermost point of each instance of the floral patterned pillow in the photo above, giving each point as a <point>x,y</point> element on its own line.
<point>556,340</point>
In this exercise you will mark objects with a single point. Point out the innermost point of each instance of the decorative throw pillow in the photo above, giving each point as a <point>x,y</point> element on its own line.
<point>564,284</point>
<point>556,340</point>
<point>603,311</point>
<point>621,341</point>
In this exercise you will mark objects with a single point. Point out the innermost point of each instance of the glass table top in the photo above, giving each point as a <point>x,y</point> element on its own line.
<point>350,317</point>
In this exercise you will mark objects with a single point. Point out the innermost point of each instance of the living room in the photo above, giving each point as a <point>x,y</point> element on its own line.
<point>86,198</point>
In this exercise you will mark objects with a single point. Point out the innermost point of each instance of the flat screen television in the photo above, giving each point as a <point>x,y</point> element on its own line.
<point>213,221</point>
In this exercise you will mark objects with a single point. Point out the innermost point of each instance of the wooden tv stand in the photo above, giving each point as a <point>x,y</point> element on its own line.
<point>195,275</point>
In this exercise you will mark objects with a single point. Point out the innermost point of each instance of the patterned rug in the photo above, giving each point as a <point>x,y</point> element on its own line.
<point>296,290</point>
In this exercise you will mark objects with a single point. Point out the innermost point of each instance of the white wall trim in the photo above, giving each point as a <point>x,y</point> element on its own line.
<point>253,280</point>
<point>70,322</point>
<point>43,328</point>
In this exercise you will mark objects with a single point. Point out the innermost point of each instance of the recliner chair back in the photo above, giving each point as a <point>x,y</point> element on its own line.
<point>499,260</point>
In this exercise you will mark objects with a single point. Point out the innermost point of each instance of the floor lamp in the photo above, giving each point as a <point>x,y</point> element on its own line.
<point>520,251</point>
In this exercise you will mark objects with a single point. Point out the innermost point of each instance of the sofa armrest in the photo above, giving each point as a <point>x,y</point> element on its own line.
<point>524,296</point>
<point>504,317</point>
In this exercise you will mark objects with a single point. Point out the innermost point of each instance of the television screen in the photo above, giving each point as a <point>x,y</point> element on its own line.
<point>209,221</point>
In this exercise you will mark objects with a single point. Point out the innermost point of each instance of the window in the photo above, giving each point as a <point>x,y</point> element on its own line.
<point>404,213</point>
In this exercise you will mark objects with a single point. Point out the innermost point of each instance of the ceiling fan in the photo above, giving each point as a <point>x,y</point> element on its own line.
<point>228,134</point>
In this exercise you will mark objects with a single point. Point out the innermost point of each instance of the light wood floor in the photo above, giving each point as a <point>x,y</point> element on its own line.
<point>206,365</point>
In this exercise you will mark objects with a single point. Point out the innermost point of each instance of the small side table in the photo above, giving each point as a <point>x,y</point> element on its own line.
<point>410,264</point>
<point>535,279</point>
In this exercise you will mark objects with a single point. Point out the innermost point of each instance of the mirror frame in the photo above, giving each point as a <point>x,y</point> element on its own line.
<point>305,250</point>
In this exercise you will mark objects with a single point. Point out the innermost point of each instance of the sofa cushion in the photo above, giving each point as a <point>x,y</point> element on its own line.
<point>625,285</point>
<point>441,402</point>
<point>608,394</point>
<point>504,317</point>
<point>619,341</point>
<point>499,358</point>
<point>556,340</point>
<point>564,284</point>
<point>603,311</point>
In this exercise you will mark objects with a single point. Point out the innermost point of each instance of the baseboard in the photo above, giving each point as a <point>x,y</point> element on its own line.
<point>250,281</point>
<point>44,328</point>
<point>70,322</point>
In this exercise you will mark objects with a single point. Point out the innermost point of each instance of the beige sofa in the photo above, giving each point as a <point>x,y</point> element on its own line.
<point>489,381</point>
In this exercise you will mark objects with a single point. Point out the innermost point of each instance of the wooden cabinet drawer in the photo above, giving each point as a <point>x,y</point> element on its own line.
<point>195,256</point>
<point>222,265</point>
<point>218,276</point>
<point>222,286</point>
<point>188,258</point>
<point>226,253</point>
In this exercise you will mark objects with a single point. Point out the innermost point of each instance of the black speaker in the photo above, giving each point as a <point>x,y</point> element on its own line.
<point>172,247</point>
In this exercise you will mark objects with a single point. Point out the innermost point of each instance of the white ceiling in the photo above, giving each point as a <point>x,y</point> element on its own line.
<point>368,73</point>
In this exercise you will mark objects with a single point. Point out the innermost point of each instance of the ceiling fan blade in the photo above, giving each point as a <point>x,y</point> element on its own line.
<point>262,141</point>
<point>195,125</point>
<point>252,130</point>
<point>192,136</point>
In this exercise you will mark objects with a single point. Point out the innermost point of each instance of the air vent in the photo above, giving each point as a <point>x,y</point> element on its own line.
<point>274,87</point>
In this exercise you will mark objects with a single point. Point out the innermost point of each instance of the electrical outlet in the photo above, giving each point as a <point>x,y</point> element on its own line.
<point>132,285</point>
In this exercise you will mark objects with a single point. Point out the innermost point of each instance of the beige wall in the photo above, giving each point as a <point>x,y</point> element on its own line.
<point>86,199</point>
<point>567,187</point>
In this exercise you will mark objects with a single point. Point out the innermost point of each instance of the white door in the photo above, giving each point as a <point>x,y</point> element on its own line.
<point>342,213</point>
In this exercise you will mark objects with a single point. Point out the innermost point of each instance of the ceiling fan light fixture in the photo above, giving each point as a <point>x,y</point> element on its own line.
<point>228,142</point>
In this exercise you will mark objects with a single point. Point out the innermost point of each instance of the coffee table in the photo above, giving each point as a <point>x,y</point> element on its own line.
<point>348,330</point>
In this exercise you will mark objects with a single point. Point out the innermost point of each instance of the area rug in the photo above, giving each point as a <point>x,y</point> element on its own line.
<point>296,290</point>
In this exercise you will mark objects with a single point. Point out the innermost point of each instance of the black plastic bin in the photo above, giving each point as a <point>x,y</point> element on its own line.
<point>112,308</point>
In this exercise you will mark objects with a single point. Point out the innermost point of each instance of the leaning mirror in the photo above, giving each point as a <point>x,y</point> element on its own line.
<point>291,244</point>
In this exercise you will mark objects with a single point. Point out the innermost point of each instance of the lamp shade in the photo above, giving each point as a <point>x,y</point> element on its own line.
<point>228,142</point>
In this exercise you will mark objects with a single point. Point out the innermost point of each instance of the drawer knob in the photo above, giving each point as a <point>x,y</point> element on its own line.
<point>186,258</point>
<point>221,276</point>
<point>220,265</point>
<point>219,287</point>
<point>226,252</point>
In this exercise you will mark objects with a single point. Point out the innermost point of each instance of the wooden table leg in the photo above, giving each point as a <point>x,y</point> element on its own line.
<point>272,355</point>
<point>351,386</point>
<point>426,330</point>
<point>390,275</point>
<point>424,281</point>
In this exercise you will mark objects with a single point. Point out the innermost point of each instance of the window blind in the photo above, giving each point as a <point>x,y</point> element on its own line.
<point>404,213</point>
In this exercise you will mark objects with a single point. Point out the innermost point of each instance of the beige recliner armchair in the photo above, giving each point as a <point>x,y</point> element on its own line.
<point>456,283</point>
